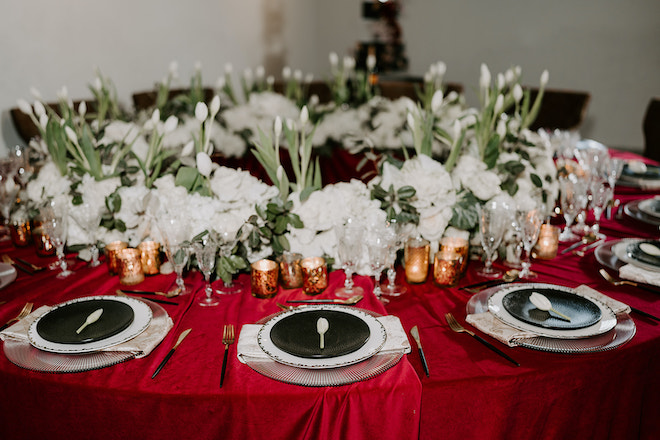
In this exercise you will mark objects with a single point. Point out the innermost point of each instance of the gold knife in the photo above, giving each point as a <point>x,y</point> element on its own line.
<point>182,336</point>
<point>415,334</point>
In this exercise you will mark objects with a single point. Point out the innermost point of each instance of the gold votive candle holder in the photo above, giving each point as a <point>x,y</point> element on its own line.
<point>416,260</point>
<point>548,242</point>
<point>290,271</point>
<point>112,257</point>
<point>459,245</point>
<point>264,277</point>
<point>150,257</point>
<point>42,244</point>
<point>315,275</point>
<point>447,268</point>
<point>20,232</point>
<point>130,266</point>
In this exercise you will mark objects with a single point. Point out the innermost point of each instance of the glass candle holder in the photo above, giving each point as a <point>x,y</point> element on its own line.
<point>112,258</point>
<point>416,260</point>
<point>150,257</point>
<point>20,232</point>
<point>315,275</point>
<point>548,242</point>
<point>447,268</point>
<point>42,244</point>
<point>130,267</point>
<point>459,245</point>
<point>290,270</point>
<point>264,277</point>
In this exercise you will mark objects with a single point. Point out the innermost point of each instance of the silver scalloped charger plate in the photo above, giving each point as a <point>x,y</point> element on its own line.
<point>496,307</point>
<point>141,319</point>
<point>376,339</point>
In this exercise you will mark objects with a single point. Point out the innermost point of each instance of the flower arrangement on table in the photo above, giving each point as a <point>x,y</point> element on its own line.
<point>144,165</point>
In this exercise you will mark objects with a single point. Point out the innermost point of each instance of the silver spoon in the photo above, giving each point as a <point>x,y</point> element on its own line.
<point>322,327</point>
<point>543,303</point>
<point>91,319</point>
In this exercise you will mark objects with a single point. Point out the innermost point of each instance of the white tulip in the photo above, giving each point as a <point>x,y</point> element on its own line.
<point>499,103</point>
<point>204,164</point>
<point>43,121</point>
<point>501,82</point>
<point>410,119</point>
<point>349,63</point>
<point>289,124</point>
<point>286,72</point>
<point>215,105</point>
<point>309,78</point>
<point>436,101</point>
<point>71,134</point>
<point>35,93</point>
<point>334,59</point>
<point>280,173</point>
<point>441,68</point>
<point>545,76</point>
<point>260,72</point>
<point>304,115</point>
<point>198,66</point>
<point>371,61</point>
<point>188,149</point>
<point>270,80</point>
<point>277,127</point>
<point>97,84</point>
<point>174,69</point>
<point>220,83</point>
<point>82,108</point>
<point>313,100</point>
<point>468,121</point>
<point>63,93</point>
<point>484,79</point>
<point>457,128</point>
<point>298,75</point>
<point>24,106</point>
<point>248,77</point>
<point>509,75</point>
<point>201,111</point>
<point>501,128</point>
<point>171,124</point>
<point>229,68</point>
<point>428,77</point>
<point>517,92</point>
<point>155,117</point>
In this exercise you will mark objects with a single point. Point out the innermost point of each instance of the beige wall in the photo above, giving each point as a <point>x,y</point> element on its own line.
<point>610,50</point>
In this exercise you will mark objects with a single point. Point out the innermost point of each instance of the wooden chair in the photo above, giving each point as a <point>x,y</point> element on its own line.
<point>560,109</point>
<point>26,128</point>
<point>318,88</point>
<point>146,100</point>
<point>397,88</point>
<point>651,129</point>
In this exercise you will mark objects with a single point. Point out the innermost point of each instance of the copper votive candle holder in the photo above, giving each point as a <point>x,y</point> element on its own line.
<point>315,275</point>
<point>150,257</point>
<point>264,277</point>
<point>548,242</point>
<point>458,245</point>
<point>111,253</point>
<point>130,266</point>
<point>42,244</point>
<point>447,268</point>
<point>416,260</point>
<point>290,271</point>
<point>19,231</point>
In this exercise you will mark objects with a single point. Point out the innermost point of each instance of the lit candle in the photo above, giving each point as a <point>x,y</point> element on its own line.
<point>458,245</point>
<point>315,275</point>
<point>150,256</point>
<point>130,267</point>
<point>111,252</point>
<point>290,270</point>
<point>546,246</point>
<point>264,277</point>
<point>447,268</point>
<point>416,260</point>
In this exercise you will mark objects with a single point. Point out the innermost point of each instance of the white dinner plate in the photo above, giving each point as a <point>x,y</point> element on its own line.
<point>377,337</point>
<point>620,250</point>
<point>605,324</point>
<point>7,274</point>
<point>142,318</point>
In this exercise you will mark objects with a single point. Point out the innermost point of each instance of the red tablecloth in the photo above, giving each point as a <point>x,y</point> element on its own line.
<point>472,393</point>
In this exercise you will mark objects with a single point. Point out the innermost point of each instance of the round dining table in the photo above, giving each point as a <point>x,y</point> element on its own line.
<point>470,393</point>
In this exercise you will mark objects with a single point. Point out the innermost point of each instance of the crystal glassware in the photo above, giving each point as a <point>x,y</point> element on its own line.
<point>378,249</point>
<point>493,220</point>
<point>573,199</point>
<point>56,227</point>
<point>205,253</point>
<point>226,242</point>
<point>530,224</point>
<point>601,194</point>
<point>349,251</point>
<point>398,234</point>
<point>8,188</point>
<point>88,216</point>
<point>177,249</point>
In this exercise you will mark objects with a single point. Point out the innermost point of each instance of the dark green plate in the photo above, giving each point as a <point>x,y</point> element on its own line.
<point>636,253</point>
<point>652,172</point>
<point>60,324</point>
<point>297,335</point>
<point>582,311</point>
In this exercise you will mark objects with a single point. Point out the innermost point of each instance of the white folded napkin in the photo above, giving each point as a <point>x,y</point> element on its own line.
<point>7,272</point>
<point>249,347</point>
<point>491,325</point>
<point>141,345</point>
<point>635,273</point>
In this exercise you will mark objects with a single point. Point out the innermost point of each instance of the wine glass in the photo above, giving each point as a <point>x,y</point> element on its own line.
<point>601,194</point>
<point>530,224</point>
<point>378,245</point>
<point>177,249</point>
<point>205,251</point>
<point>493,218</point>
<point>226,241</point>
<point>573,199</point>
<point>398,233</point>
<point>8,187</point>
<point>88,216</point>
<point>56,227</point>
<point>349,251</point>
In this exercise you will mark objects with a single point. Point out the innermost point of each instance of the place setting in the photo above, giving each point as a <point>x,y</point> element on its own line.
<point>86,333</point>
<point>551,318</point>
<point>637,174</point>
<point>636,260</point>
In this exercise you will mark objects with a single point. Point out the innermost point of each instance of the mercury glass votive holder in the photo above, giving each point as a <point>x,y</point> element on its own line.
<point>42,244</point>
<point>150,257</point>
<point>264,278</point>
<point>20,233</point>
<point>459,245</point>
<point>130,266</point>
<point>416,260</point>
<point>290,271</point>
<point>112,257</point>
<point>548,242</point>
<point>315,275</point>
<point>447,268</point>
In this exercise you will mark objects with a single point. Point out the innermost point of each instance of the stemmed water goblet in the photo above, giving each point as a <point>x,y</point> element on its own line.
<point>226,242</point>
<point>530,224</point>
<point>398,233</point>
<point>573,199</point>
<point>378,245</point>
<point>177,249</point>
<point>601,194</point>
<point>205,252</point>
<point>349,251</point>
<point>56,227</point>
<point>493,219</point>
<point>88,216</point>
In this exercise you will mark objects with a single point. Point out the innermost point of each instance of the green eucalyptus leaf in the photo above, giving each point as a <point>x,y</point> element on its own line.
<point>536,180</point>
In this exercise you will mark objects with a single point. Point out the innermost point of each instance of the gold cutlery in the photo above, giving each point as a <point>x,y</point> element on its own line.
<point>182,336</point>
<point>605,274</point>
<point>415,334</point>
<point>154,292</point>
<point>347,301</point>
<point>458,328</point>
<point>156,300</point>
<point>227,340</point>
<point>26,310</point>
<point>585,240</point>
<point>582,252</point>
<point>508,277</point>
<point>34,267</point>
<point>7,259</point>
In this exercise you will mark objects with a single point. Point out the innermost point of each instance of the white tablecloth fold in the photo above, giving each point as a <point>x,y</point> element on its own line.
<point>396,339</point>
<point>489,324</point>
<point>141,345</point>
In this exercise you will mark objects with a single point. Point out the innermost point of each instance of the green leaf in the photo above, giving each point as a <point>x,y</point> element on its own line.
<point>187,178</point>
<point>536,180</point>
<point>492,151</point>
<point>465,213</point>
<point>406,192</point>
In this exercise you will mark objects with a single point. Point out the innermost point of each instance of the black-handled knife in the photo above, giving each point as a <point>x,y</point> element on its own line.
<point>415,334</point>
<point>495,349</point>
<point>646,314</point>
<point>182,336</point>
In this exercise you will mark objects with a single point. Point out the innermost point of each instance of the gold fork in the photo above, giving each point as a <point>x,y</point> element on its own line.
<point>227,340</point>
<point>26,310</point>
<point>610,279</point>
<point>458,328</point>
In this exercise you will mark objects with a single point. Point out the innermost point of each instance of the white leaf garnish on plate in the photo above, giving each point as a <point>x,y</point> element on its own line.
<point>650,249</point>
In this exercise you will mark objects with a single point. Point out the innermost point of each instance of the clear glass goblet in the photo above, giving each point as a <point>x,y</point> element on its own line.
<point>349,251</point>
<point>573,199</point>
<point>601,194</point>
<point>530,223</point>
<point>493,219</point>
<point>205,252</point>
<point>174,233</point>
<point>88,216</point>
<point>56,227</point>
<point>399,233</point>
<point>226,241</point>
<point>378,249</point>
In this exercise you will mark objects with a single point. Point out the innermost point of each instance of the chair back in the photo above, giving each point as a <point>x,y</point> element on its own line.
<point>651,129</point>
<point>146,100</point>
<point>560,109</point>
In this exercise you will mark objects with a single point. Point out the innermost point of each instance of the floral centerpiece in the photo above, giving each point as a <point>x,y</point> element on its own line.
<point>438,159</point>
